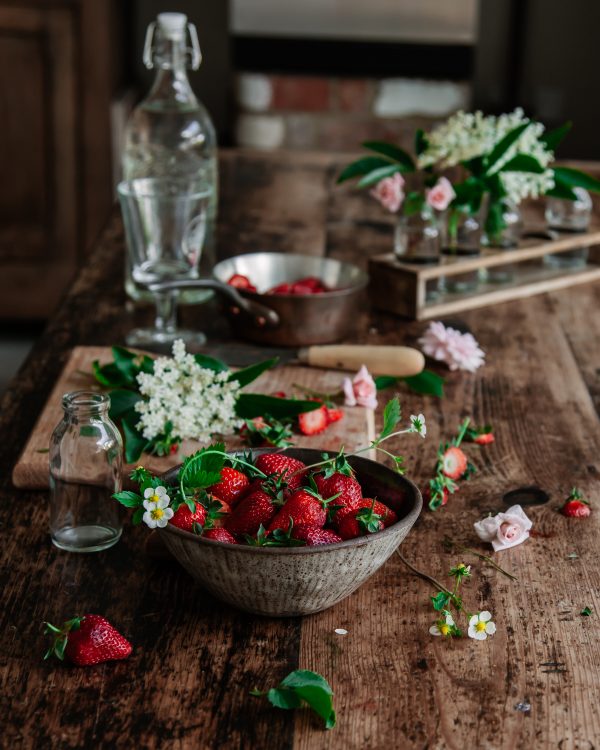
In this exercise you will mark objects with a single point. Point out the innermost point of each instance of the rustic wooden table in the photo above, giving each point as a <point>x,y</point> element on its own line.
<point>195,660</point>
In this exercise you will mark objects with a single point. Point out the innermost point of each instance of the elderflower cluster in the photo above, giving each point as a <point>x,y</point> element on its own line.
<point>198,402</point>
<point>467,135</point>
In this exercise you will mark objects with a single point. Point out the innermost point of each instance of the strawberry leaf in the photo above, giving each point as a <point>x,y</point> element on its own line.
<point>128,499</point>
<point>202,468</point>
<point>440,600</point>
<point>304,686</point>
<point>391,417</point>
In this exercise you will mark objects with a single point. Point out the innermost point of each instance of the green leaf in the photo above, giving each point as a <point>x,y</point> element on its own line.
<point>440,601</point>
<point>138,516</point>
<point>108,375</point>
<point>314,690</point>
<point>248,374</point>
<point>564,192</point>
<point>576,178</point>
<point>504,144</point>
<point>554,138</point>
<point>426,382</point>
<point>128,499</point>
<point>391,417</point>
<point>413,203</point>
<point>586,611</point>
<point>385,381</point>
<point>210,363</point>
<point>494,221</point>
<point>125,362</point>
<point>250,405</point>
<point>392,152</point>
<point>122,401</point>
<point>523,163</point>
<point>378,174</point>
<point>284,698</point>
<point>361,167</point>
<point>202,469</point>
<point>135,443</point>
<point>421,142</point>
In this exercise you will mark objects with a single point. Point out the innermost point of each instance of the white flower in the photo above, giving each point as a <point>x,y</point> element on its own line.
<point>417,424</point>
<point>155,495</point>
<point>444,628</point>
<point>481,625</point>
<point>504,530</point>
<point>157,513</point>
<point>196,401</point>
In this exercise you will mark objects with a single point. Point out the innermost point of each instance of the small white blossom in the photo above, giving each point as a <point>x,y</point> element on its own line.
<point>198,402</point>
<point>417,424</point>
<point>157,513</point>
<point>481,625</point>
<point>442,627</point>
<point>155,495</point>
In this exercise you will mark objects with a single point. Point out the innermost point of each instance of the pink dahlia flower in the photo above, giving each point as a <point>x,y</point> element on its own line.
<point>460,351</point>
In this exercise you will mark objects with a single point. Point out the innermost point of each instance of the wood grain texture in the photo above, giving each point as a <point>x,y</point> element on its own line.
<point>194,661</point>
<point>32,469</point>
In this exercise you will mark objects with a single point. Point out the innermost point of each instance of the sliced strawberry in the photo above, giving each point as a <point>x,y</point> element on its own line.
<point>312,282</point>
<point>281,289</point>
<point>334,415</point>
<point>454,463</point>
<point>314,536</point>
<point>302,289</point>
<point>241,282</point>
<point>485,438</point>
<point>576,509</point>
<point>313,422</point>
<point>219,535</point>
<point>185,519</point>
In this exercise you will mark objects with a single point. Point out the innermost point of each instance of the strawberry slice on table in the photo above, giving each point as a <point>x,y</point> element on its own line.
<point>454,462</point>
<point>231,487</point>
<point>334,414</point>
<point>280,465</point>
<point>484,439</point>
<point>315,536</point>
<point>313,422</point>
<point>241,282</point>
<point>87,640</point>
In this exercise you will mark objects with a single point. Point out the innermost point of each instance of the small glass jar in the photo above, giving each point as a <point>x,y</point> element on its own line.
<point>569,217</point>
<point>86,461</point>
<point>461,239</point>
<point>417,241</point>
<point>506,238</point>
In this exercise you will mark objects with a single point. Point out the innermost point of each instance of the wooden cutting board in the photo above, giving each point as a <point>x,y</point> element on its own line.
<point>32,469</point>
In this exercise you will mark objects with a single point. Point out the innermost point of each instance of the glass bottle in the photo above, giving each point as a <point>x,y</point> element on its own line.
<point>417,241</point>
<point>461,238</point>
<point>86,461</point>
<point>569,217</point>
<point>170,133</point>
<point>505,238</point>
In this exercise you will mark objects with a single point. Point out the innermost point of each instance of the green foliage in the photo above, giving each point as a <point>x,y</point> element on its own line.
<point>391,417</point>
<point>129,499</point>
<point>523,163</point>
<point>248,374</point>
<point>135,442</point>
<point>122,402</point>
<point>554,138</point>
<point>503,145</point>
<point>378,174</point>
<point>427,383</point>
<point>336,465</point>
<point>268,430</point>
<point>362,166</point>
<point>569,177</point>
<point>441,600</point>
<point>395,153</point>
<point>421,142</point>
<point>210,363</point>
<point>250,405</point>
<point>586,611</point>
<point>303,686</point>
<point>202,469</point>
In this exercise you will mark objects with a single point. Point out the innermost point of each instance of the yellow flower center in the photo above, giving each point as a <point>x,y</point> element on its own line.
<point>154,498</point>
<point>157,513</point>
<point>480,626</point>
<point>444,629</point>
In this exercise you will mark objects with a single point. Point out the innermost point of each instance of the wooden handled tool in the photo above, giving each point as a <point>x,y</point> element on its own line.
<point>400,361</point>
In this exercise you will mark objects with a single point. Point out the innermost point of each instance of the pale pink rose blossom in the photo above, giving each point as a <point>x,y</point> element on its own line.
<point>361,391</point>
<point>441,195</point>
<point>460,351</point>
<point>504,530</point>
<point>389,192</point>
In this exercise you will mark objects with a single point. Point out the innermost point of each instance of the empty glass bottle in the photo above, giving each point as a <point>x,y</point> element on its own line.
<point>170,133</point>
<point>86,461</point>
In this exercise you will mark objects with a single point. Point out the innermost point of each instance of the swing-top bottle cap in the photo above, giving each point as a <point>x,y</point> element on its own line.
<point>172,25</point>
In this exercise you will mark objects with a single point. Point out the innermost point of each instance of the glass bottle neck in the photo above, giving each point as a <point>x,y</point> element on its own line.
<point>80,405</point>
<point>171,84</point>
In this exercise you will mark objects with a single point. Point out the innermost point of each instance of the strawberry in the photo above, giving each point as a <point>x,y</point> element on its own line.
<point>87,640</point>
<point>348,490</point>
<point>185,519</point>
<point>454,462</point>
<point>217,513</point>
<point>313,422</point>
<point>445,495</point>
<point>302,508</point>
<point>283,288</point>
<point>219,535</point>
<point>283,466</point>
<point>575,509</point>
<point>314,536</point>
<point>334,415</point>
<point>312,282</point>
<point>254,510</point>
<point>232,486</point>
<point>366,518</point>
<point>300,288</point>
<point>241,282</point>
<point>485,438</point>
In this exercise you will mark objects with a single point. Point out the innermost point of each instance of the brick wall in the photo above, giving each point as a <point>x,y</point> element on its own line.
<point>337,114</point>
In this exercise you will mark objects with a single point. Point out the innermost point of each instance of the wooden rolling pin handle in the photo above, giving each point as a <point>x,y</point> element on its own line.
<point>401,361</point>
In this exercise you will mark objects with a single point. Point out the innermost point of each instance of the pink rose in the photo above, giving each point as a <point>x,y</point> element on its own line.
<point>504,530</point>
<point>389,192</point>
<point>361,391</point>
<point>440,195</point>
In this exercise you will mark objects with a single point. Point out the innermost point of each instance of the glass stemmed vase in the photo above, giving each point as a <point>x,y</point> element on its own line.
<point>165,227</point>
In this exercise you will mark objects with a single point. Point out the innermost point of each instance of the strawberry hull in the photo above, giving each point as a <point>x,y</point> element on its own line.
<point>290,581</point>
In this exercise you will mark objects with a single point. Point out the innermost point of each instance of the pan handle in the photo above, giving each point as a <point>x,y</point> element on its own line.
<point>261,316</point>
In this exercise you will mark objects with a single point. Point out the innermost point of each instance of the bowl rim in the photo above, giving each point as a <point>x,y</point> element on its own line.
<point>360,283</point>
<point>360,541</point>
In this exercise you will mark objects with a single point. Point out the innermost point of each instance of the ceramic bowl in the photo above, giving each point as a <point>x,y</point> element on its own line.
<point>287,581</point>
<point>305,319</point>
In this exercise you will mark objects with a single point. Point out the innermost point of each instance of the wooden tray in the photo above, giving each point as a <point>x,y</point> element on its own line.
<point>32,469</point>
<point>401,288</point>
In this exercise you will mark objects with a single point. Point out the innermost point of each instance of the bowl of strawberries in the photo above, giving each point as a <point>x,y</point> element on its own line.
<point>315,299</point>
<point>293,532</point>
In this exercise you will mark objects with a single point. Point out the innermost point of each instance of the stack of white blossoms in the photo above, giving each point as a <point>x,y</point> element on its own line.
<point>197,402</point>
<point>467,135</point>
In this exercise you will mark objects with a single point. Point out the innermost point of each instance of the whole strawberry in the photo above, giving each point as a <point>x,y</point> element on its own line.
<point>576,506</point>
<point>254,510</point>
<point>185,519</point>
<point>302,508</point>
<point>348,490</point>
<point>232,486</point>
<point>282,465</point>
<point>87,640</point>
<point>369,517</point>
<point>314,536</point>
<point>219,535</point>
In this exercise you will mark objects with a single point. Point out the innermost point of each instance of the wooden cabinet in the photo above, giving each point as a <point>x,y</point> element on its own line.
<point>57,73</point>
